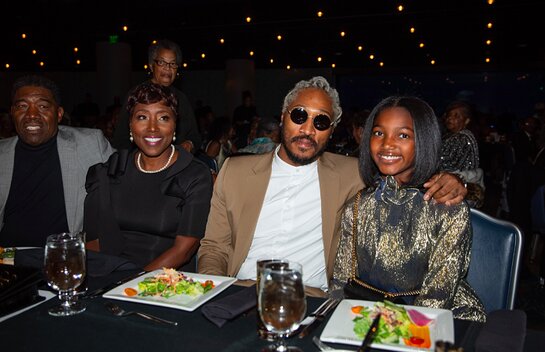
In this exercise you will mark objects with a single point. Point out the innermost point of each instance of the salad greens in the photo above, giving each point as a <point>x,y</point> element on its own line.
<point>171,282</point>
<point>393,325</point>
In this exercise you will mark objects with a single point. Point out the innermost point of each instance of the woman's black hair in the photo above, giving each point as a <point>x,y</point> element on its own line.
<point>426,134</point>
<point>149,93</point>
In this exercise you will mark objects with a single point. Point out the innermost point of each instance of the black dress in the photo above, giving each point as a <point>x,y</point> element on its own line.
<point>136,215</point>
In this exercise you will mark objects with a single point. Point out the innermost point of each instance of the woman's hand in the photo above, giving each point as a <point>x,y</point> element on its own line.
<point>445,188</point>
<point>180,253</point>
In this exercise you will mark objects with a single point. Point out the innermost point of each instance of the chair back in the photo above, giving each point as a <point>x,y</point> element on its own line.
<point>495,258</point>
<point>537,210</point>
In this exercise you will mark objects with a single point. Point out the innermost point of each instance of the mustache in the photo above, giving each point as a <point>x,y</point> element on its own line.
<point>312,141</point>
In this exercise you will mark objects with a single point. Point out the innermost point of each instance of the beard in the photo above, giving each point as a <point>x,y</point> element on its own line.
<point>297,159</point>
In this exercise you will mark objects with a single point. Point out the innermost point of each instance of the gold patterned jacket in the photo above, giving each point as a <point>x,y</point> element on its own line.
<point>405,243</point>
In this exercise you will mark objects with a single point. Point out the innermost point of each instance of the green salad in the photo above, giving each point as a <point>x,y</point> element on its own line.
<point>393,325</point>
<point>171,282</point>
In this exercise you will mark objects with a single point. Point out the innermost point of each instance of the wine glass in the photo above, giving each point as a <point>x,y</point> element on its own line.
<point>64,265</point>
<point>281,301</point>
<point>261,264</point>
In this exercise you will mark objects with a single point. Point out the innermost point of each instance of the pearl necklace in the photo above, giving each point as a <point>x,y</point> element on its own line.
<point>139,165</point>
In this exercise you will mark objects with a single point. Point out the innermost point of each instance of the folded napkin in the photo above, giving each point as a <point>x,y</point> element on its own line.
<point>230,307</point>
<point>98,263</point>
<point>504,331</point>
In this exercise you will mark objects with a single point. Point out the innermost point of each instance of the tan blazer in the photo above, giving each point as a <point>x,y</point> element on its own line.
<point>238,196</point>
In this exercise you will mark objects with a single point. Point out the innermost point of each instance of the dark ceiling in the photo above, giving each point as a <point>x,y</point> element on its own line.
<point>454,33</point>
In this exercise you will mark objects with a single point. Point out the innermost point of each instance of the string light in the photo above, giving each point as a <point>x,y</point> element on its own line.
<point>372,57</point>
<point>333,65</point>
<point>7,66</point>
<point>488,42</point>
<point>145,67</point>
<point>319,59</point>
<point>319,13</point>
<point>248,19</point>
<point>343,34</point>
<point>279,37</point>
<point>400,8</point>
<point>490,2</point>
<point>360,48</point>
<point>288,67</point>
<point>487,60</point>
<point>412,30</point>
<point>42,64</point>
<point>34,52</point>
<point>271,61</point>
<point>421,45</point>
<point>23,36</point>
<point>432,62</point>
<point>381,64</point>
<point>78,62</point>
<point>184,64</point>
<point>76,49</point>
<point>222,41</point>
<point>489,25</point>
<point>251,53</point>
<point>203,55</point>
<point>125,28</point>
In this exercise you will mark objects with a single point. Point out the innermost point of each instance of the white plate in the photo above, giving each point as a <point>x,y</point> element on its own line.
<point>183,302</point>
<point>340,328</point>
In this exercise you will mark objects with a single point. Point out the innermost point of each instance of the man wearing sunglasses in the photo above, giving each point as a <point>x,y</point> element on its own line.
<point>288,203</point>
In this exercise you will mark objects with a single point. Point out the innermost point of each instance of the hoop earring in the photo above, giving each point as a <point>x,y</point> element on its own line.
<point>130,137</point>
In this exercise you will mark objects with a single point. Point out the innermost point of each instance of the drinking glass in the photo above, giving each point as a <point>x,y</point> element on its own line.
<point>281,301</point>
<point>262,331</point>
<point>64,266</point>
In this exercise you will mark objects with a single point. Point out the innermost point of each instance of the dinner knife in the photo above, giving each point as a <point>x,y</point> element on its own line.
<point>314,319</point>
<point>369,337</point>
<point>98,292</point>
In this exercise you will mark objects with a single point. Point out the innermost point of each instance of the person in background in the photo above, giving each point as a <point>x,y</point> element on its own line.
<point>164,60</point>
<point>268,137</point>
<point>243,116</point>
<point>149,204</point>
<point>287,203</point>
<point>357,123</point>
<point>460,151</point>
<point>42,177</point>
<point>6,125</point>
<point>403,243</point>
<point>221,145</point>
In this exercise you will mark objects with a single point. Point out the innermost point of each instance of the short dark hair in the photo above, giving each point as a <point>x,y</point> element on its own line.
<point>164,44</point>
<point>149,93</point>
<point>267,125</point>
<point>37,81</point>
<point>426,134</point>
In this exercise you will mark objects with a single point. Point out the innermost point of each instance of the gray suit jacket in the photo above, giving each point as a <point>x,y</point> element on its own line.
<point>238,196</point>
<point>79,148</point>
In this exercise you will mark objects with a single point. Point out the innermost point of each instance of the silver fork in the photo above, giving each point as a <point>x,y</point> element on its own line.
<point>120,312</point>
<point>325,348</point>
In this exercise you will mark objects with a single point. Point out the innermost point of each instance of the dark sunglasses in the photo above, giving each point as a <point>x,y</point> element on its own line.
<point>321,121</point>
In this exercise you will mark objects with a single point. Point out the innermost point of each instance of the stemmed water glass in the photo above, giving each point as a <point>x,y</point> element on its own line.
<point>281,301</point>
<point>64,265</point>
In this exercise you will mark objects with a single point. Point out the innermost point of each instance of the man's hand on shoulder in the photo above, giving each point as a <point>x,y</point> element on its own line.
<point>445,188</point>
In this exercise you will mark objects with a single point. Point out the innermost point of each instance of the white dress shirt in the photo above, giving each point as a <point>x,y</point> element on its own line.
<point>290,223</point>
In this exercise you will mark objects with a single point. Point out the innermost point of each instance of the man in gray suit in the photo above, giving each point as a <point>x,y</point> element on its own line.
<point>42,177</point>
<point>288,203</point>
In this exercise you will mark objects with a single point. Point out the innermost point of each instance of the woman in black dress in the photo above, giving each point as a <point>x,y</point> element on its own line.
<point>149,204</point>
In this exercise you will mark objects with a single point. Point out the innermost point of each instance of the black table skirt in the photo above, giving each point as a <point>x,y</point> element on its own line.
<point>98,330</point>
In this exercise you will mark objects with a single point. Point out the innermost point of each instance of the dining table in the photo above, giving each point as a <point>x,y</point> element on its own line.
<point>97,329</point>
